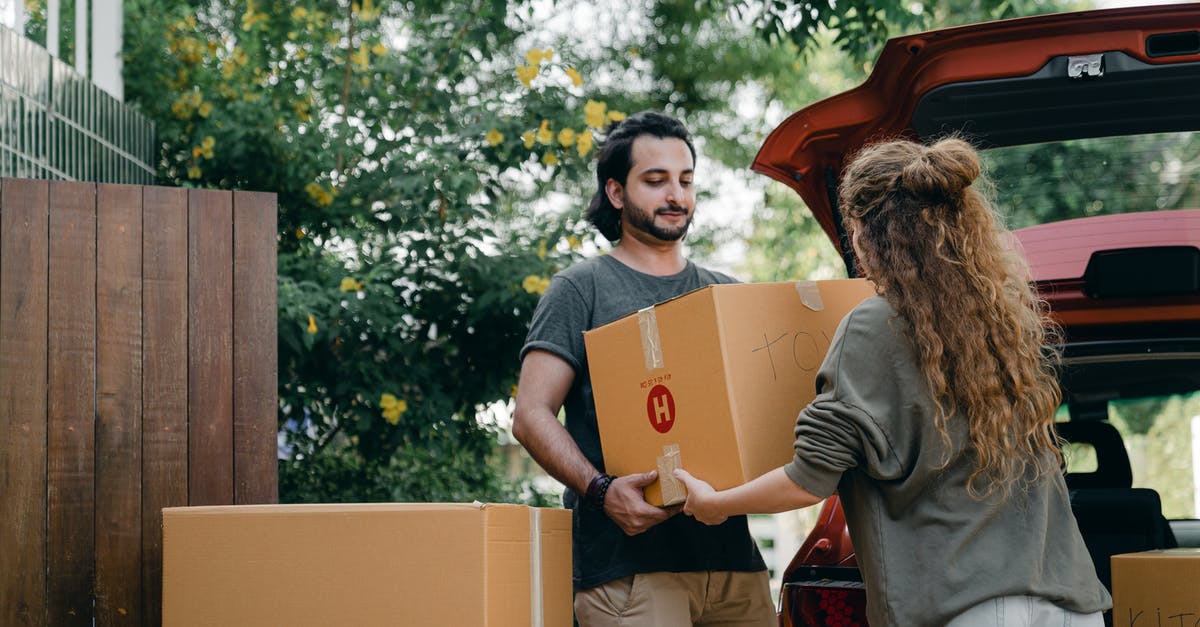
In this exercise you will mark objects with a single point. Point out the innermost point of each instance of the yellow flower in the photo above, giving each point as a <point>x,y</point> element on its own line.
<point>541,252</point>
<point>548,54</point>
<point>535,284</point>
<point>526,74</point>
<point>299,233</point>
<point>550,159</point>
<point>366,11</point>
<point>494,137</point>
<point>319,194</point>
<point>252,18</point>
<point>312,325</point>
<point>205,109</point>
<point>181,108</point>
<point>528,138</point>
<point>576,77</point>
<point>573,242</point>
<point>533,57</point>
<point>196,152</point>
<point>208,142</point>
<point>615,116</point>
<point>593,113</point>
<point>299,13</point>
<point>350,285</point>
<point>207,153</point>
<point>193,172</point>
<point>392,407</point>
<point>512,392</point>
<point>583,143</point>
<point>379,49</point>
<point>544,134</point>
<point>566,137</point>
<point>361,57</point>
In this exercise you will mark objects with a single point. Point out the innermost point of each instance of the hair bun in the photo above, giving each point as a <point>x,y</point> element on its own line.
<point>942,171</point>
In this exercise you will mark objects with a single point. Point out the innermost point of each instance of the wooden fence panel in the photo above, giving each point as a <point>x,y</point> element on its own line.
<point>210,347</point>
<point>119,405</point>
<point>137,371</point>
<point>70,441</point>
<point>164,376</point>
<point>254,391</point>
<point>24,222</point>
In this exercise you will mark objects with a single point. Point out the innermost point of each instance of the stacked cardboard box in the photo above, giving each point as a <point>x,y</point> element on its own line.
<point>1156,588</point>
<point>368,564</point>
<point>713,380</point>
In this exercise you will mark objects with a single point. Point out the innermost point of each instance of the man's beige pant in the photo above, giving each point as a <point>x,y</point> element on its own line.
<point>707,598</point>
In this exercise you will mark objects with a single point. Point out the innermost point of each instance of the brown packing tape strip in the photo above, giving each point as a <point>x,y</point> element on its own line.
<point>651,345</point>
<point>810,295</point>
<point>673,491</point>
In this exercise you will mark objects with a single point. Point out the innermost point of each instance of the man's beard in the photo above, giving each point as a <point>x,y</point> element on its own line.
<point>643,221</point>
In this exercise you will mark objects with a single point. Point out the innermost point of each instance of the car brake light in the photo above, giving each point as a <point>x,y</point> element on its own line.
<point>824,597</point>
<point>1134,272</point>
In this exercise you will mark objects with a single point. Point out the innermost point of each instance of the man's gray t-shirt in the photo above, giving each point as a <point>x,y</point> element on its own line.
<point>928,550</point>
<point>585,296</point>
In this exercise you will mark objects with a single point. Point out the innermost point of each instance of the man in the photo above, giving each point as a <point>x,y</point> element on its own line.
<point>635,564</point>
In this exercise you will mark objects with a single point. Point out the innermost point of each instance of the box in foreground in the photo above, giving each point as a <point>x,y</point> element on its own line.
<point>1156,588</point>
<point>367,564</point>
<point>713,380</point>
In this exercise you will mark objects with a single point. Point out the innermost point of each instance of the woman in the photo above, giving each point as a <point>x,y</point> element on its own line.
<point>934,414</point>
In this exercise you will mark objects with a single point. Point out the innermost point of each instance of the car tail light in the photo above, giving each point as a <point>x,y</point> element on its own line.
<point>824,597</point>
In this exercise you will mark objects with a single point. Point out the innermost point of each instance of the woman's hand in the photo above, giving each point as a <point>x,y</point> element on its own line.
<point>702,502</point>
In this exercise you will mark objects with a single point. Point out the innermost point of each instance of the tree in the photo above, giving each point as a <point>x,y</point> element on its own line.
<point>410,259</point>
<point>425,155</point>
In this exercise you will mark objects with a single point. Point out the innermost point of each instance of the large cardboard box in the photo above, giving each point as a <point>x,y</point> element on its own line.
<point>713,380</point>
<point>366,565</point>
<point>1156,588</point>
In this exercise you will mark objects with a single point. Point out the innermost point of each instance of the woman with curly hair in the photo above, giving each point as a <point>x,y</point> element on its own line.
<point>934,417</point>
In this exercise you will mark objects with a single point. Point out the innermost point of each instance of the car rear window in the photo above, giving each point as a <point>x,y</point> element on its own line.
<point>1042,183</point>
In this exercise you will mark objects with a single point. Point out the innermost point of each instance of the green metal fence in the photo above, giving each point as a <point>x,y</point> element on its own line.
<point>55,124</point>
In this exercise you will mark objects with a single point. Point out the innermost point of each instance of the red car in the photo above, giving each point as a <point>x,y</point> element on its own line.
<point>1086,114</point>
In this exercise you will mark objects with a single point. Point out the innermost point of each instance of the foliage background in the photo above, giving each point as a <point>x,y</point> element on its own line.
<point>430,160</point>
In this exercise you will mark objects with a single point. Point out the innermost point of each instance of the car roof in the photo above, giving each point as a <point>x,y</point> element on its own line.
<point>999,83</point>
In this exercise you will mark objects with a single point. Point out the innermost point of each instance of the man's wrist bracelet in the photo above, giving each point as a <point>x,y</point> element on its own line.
<point>598,489</point>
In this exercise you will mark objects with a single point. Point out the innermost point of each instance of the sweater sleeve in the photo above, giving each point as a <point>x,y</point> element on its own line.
<point>841,428</point>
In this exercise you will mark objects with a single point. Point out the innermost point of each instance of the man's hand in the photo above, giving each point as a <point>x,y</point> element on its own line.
<point>626,505</point>
<point>701,501</point>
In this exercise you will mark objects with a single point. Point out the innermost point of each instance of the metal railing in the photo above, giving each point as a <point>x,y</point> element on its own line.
<point>56,124</point>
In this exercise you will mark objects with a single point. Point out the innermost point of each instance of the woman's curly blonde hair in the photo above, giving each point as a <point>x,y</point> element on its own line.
<point>931,242</point>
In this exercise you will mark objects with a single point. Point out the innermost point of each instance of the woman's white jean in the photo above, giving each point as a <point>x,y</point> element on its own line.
<point>1023,611</point>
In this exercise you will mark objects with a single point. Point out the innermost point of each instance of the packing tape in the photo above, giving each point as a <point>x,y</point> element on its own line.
<point>810,295</point>
<point>673,490</point>
<point>651,345</point>
<point>536,619</point>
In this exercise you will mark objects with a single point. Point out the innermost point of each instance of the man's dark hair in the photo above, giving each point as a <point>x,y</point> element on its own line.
<point>615,158</point>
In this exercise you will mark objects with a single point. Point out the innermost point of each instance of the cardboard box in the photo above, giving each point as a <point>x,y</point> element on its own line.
<point>713,380</point>
<point>1156,588</point>
<point>367,564</point>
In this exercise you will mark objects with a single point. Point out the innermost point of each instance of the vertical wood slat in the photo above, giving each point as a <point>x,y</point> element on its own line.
<point>255,363</point>
<point>71,399</point>
<point>164,377</point>
<point>115,301</point>
<point>119,404</point>
<point>210,348</point>
<point>24,222</point>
